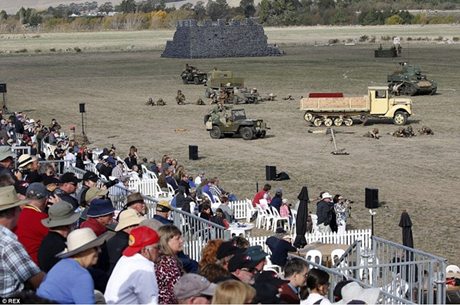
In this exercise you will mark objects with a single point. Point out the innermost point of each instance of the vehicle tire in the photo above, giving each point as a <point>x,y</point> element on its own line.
<point>247,133</point>
<point>338,122</point>
<point>196,81</point>
<point>184,80</point>
<point>400,118</point>
<point>328,122</point>
<point>215,133</point>
<point>308,116</point>
<point>317,122</point>
<point>348,121</point>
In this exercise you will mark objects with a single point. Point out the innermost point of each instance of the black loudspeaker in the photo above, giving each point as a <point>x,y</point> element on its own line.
<point>372,198</point>
<point>82,107</point>
<point>2,88</point>
<point>270,172</point>
<point>193,152</point>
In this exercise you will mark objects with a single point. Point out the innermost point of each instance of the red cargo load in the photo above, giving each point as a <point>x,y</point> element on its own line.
<point>321,95</point>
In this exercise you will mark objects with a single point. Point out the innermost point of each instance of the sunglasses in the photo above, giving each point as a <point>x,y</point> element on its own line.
<point>250,270</point>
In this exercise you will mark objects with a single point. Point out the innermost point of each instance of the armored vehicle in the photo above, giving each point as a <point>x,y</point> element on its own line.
<point>235,124</point>
<point>194,76</point>
<point>410,81</point>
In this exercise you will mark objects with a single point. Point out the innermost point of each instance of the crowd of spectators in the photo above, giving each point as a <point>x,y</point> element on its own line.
<point>67,244</point>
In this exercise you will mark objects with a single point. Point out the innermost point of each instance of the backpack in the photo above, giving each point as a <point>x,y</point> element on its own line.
<point>282,176</point>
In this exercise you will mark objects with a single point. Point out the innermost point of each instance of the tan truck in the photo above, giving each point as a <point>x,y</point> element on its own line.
<point>335,109</point>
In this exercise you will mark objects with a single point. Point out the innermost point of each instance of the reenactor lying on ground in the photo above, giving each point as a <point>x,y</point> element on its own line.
<point>270,97</point>
<point>404,132</point>
<point>374,133</point>
<point>160,102</point>
<point>150,102</point>
<point>180,98</point>
<point>426,131</point>
<point>288,98</point>
<point>200,102</point>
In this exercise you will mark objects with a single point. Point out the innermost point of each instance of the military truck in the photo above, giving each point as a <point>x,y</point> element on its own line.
<point>235,124</point>
<point>410,81</point>
<point>193,75</point>
<point>335,109</point>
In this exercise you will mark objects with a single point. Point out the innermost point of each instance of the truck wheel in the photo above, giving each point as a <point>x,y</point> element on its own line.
<point>196,81</point>
<point>317,122</point>
<point>338,122</point>
<point>400,118</point>
<point>328,122</point>
<point>348,121</point>
<point>185,81</point>
<point>308,116</point>
<point>215,133</point>
<point>247,133</point>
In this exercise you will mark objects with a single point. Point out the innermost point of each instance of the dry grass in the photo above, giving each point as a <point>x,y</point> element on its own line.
<point>419,174</point>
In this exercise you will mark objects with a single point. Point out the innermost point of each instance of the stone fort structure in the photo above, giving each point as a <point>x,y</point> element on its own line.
<point>236,39</point>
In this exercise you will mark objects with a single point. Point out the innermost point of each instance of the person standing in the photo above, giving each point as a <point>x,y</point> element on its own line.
<point>323,212</point>
<point>340,207</point>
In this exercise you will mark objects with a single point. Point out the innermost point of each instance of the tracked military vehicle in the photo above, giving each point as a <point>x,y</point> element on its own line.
<point>410,81</point>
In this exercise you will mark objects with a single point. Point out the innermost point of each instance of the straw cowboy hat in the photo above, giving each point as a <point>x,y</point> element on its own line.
<point>60,214</point>
<point>127,219</point>
<point>9,198</point>
<point>81,240</point>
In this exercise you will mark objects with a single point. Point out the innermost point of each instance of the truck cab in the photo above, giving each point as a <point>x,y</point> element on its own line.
<point>383,104</point>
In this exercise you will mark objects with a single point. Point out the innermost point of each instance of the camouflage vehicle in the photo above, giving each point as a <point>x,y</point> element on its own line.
<point>410,81</point>
<point>236,124</point>
<point>193,75</point>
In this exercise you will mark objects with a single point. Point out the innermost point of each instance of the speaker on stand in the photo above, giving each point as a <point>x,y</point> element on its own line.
<point>193,152</point>
<point>3,92</point>
<point>372,202</point>
<point>270,172</point>
<point>82,111</point>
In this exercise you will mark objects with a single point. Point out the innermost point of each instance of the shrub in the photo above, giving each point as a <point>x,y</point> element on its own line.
<point>77,49</point>
<point>455,38</point>
<point>363,38</point>
<point>439,38</point>
<point>37,51</point>
<point>373,38</point>
<point>21,51</point>
<point>409,38</point>
<point>386,38</point>
<point>53,50</point>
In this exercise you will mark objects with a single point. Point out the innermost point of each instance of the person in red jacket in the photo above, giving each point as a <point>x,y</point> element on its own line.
<point>263,194</point>
<point>30,230</point>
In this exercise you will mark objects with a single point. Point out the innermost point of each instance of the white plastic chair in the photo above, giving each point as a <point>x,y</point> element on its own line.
<point>125,166</point>
<point>273,267</point>
<point>147,173</point>
<point>261,217</point>
<point>453,268</point>
<point>314,256</point>
<point>397,287</point>
<point>270,218</point>
<point>251,210</point>
<point>371,261</point>
<point>277,218</point>
<point>336,254</point>
<point>314,222</point>
<point>171,191</point>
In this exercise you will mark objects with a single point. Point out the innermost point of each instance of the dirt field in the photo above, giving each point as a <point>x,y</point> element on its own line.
<point>420,174</point>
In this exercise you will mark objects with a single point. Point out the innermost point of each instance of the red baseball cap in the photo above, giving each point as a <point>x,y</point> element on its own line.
<point>139,238</point>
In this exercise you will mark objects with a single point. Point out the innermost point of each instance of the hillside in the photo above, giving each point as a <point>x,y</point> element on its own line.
<point>13,6</point>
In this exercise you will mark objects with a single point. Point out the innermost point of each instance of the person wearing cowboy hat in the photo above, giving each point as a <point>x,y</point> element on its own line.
<point>69,281</point>
<point>136,202</point>
<point>323,212</point>
<point>128,220</point>
<point>133,281</point>
<point>16,266</point>
<point>60,220</point>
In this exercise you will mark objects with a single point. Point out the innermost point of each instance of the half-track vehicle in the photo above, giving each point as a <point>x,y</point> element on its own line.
<point>235,124</point>
<point>410,81</point>
<point>335,109</point>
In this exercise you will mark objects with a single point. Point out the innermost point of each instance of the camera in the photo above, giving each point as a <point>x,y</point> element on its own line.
<point>111,183</point>
<point>348,200</point>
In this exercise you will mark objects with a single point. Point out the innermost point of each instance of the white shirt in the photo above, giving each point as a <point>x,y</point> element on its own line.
<point>314,297</point>
<point>197,180</point>
<point>71,158</point>
<point>133,281</point>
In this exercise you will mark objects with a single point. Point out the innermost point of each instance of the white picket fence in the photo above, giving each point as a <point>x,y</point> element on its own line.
<point>196,246</point>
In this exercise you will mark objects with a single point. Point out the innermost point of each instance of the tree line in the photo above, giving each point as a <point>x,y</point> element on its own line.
<point>154,14</point>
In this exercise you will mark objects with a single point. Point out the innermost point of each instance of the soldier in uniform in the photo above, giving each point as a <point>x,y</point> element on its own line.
<point>150,102</point>
<point>216,110</point>
<point>288,98</point>
<point>213,97</point>
<point>160,102</point>
<point>426,131</point>
<point>180,98</point>
<point>200,102</point>
<point>374,133</point>
<point>223,95</point>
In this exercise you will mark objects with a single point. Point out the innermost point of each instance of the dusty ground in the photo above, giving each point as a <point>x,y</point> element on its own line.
<point>419,174</point>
